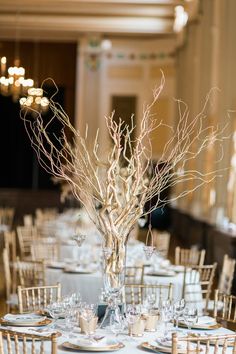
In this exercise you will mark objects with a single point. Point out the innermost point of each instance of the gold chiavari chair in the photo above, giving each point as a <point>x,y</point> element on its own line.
<point>197,287</point>
<point>22,343</point>
<point>227,275</point>
<point>7,216</point>
<point>161,242</point>
<point>46,214</point>
<point>137,293</point>
<point>11,298</point>
<point>134,275</point>
<point>189,257</point>
<point>26,235</point>
<point>31,273</point>
<point>204,344</point>
<point>224,307</point>
<point>43,249</point>
<point>28,220</point>
<point>10,245</point>
<point>38,297</point>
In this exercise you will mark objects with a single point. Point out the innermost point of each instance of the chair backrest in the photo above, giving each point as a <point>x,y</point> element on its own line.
<point>189,256</point>
<point>28,220</point>
<point>46,214</point>
<point>38,297</point>
<point>134,275</point>
<point>162,242</point>
<point>227,275</point>
<point>7,216</point>
<point>138,293</point>
<point>7,273</point>
<point>30,273</point>
<point>204,344</point>
<point>224,307</point>
<point>42,249</point>
<point>197,287</point>
<point>26,235</point>
<point>10,244</point>
<point>22,343</point>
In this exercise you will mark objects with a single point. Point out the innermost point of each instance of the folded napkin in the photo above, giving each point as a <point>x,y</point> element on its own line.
<point>166,343</point>
<point>28,330</point>
<point>206,320</point>
<point>23,318</point>
<point>83,342</point>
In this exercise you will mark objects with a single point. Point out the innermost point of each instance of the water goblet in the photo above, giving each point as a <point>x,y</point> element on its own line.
<point>190,317</point>
<point>132,316</point>
<point>55,310</point>
<point>166,315</point>
<point>150,301</point>
<point>117,324</point>
<point>178,311</point>
<point>88,313</point>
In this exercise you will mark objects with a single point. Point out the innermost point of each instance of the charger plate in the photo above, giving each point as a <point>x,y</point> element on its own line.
<point>168,349</point>
<point>44,322</point>
<point>78,271</point>
<point>90,348</point>
<point>166,273</point>
<point>158,348</point>
<point>201,326</point>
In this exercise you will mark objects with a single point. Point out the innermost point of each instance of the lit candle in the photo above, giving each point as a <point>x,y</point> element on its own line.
<point>3,65</point>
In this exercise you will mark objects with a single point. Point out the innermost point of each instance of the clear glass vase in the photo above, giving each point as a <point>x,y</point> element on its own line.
<point>113,279</point>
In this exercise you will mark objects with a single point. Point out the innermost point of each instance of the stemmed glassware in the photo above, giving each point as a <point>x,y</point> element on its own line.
<point>133,314</point>
<point>166,315</point>
<point>117,324</point>
<point>55,310</point>
<point>190,317</point>
<point>79,238</point>
<point>150,301</point>
<point>178,311</point>
<point>88,312</point>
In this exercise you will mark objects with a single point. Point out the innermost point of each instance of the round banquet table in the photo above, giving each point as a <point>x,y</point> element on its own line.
<point>133,346</point>
<point>90,285</point>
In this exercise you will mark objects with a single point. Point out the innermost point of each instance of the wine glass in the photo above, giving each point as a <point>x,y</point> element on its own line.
<point>55,310</point>
<point>150,300</point>
<point>166,315</point>
<point>133,314</point>
<point>190,317</point>
<point>117,324</point>
<point>178,311</point>
<point>88,313</point>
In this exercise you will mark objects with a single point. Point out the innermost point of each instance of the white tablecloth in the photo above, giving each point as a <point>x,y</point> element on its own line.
<point>131,345</point>
<point>89,285</point>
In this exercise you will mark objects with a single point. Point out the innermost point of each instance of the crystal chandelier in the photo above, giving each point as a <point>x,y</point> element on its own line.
<point>14,84</point>
<point>35,100</point>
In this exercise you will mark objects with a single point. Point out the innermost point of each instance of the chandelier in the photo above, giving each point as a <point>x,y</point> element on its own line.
<point>35,100</point>
<point>14,83</point>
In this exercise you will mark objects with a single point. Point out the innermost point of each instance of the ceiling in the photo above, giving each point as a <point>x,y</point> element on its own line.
<point>68,20</point>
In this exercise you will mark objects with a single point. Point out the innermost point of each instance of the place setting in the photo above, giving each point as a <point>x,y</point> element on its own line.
<point>31,323</point>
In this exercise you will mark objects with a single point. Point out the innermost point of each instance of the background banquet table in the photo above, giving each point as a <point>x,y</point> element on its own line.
<point>90,285</point>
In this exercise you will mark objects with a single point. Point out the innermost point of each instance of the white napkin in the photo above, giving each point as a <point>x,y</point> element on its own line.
<point>28,330</point>
<point>83,342</point>
<point>23,317</point>
<point>166,343</point>
<point>206,320</point>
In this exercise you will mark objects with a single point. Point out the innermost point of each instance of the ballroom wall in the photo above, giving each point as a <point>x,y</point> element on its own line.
<point>204,62</point>
<point>132,67</point>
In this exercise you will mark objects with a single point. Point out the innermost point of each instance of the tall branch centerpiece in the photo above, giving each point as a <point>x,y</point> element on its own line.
<point>115,187</point>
